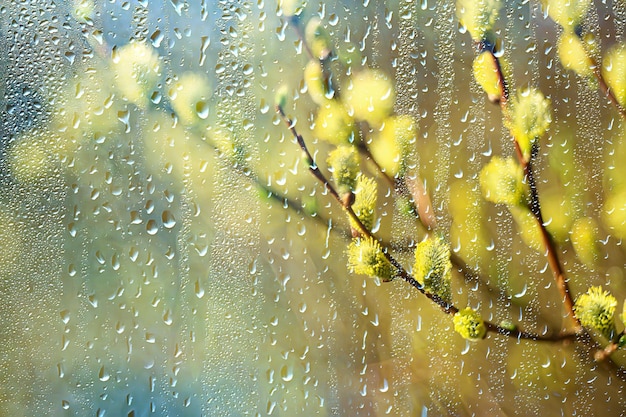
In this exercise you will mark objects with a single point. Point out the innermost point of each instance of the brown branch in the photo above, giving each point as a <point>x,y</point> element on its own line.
<point>447,307</point>
<point>364,231</point>
<point>534,203</point>
<point>605,353</point>
<point>324,61</point>
<point>597,72</point>
<point>413,190</point>
<point>519,334</point>
<point>295,23</point>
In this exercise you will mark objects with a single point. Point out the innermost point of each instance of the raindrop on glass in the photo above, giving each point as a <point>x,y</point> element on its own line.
<point>151,227</point>
<point>168,219</point>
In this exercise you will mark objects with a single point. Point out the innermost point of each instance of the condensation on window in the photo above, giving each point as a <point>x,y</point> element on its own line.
<point>298,208</point>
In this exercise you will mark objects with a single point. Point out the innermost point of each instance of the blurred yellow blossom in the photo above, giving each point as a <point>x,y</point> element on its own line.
<point>137,71</point>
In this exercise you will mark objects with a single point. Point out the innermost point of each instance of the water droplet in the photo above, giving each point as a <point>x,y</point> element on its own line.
<point>199,290</point>
<point>65,316</point>
<point>201,248</point>
<point>103,375</point>
<point>149,206</point>
<point>70,56</point>
<point>205,42</point>
<point>385,386</point>
<point>286,373</point>
<point>100,258</point>
<point>522,292</point>
<point>80,91</point>
<point>124,117</point>
<point>168,219</point>
<point>156,97</point>
<point>202,109</point>
<point>71,227</point>
<point>167,317</point>
<point>115,262</point>
<point>151,227</point>
<point>264,106</point>
<point>156,38</point>
<point>120,327</point>
<point>178,6</point>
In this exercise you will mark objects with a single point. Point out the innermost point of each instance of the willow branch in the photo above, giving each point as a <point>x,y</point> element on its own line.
<point>605,353</point>
<point>534,204</point>
<point>416,194</point>
<point>295,23</point>
<point>519,334</point>
<point>597,72</point>
<point>448,308</point>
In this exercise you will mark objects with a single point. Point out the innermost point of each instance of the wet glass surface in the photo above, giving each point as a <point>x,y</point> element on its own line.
<point>165,248</point>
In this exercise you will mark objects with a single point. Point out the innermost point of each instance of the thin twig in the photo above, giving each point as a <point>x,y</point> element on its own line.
<point>295,23</point>
<point>519,334</point>
<point>425,216</point>
<point>364,231</point>
<point>447,307</point>
<point>534,204</point>
<point>605,353</point>
<point>597,72</point>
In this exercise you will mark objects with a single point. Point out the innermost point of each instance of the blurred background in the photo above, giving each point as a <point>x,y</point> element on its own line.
<point>165,251</point>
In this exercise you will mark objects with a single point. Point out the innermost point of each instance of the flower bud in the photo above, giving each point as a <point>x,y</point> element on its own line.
<point>393,143</point>
<point>365,256</point>
<point>433,268</point>
<point>333,124</point>
<point>486,74</point>
<point>364,206</point>
<point>469,324</point>
<point>370,97</point>
<point>528,227</point>
<point>574,55</point>
<point>317,38</point>
<point>529,117</point>
<point>584,237</point>
<point>137,71</point>
<point>478,16</point>
<point>189,97</point>
<point>343,161</point>
<point>314,78</point>
<point>280,96</point>
<point>614,71</point>
<point>502,182</point>
<point>30,158</point>
<point>596,309</point>
<point>567,13</point>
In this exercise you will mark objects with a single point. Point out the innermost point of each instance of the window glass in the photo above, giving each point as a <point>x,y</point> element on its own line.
<point>288,207</point>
